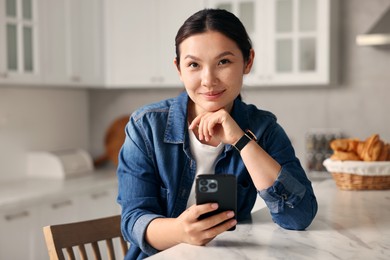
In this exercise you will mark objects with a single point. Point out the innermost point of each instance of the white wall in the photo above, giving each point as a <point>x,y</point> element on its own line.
<point>39,119</point>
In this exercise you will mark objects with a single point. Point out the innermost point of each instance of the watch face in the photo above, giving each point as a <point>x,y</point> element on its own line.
<point>244,140</point>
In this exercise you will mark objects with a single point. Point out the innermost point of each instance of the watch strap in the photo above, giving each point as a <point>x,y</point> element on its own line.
<point>244,140</point>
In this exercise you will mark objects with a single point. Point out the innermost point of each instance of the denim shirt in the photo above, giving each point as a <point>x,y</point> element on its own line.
<point>156,170</point>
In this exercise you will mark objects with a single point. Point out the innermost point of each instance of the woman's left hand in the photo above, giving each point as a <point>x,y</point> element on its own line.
<point>218,124</point>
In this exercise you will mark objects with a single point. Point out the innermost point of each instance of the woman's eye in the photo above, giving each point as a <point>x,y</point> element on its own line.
<point>224,61</point>
<point>193,65</point>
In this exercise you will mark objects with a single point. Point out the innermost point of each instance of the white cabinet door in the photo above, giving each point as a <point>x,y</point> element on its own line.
<point>72,47</point>
<point>84,20</point>
<point>57,211</point>
<point>17,234</point>
<point>129,43</point>
<point>292,40</point>
<point>139,41</point>
<point>98,204</point>
<point>300,42</point>
<point>60,211</point>
<point>20,42</point>
<point>55,43</point>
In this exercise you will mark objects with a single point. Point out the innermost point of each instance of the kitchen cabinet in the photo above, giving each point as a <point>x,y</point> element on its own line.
<point>47,42</point>
<point>99,203</point>
<point>56,211</point>
<point>20,39</point>
<point>294,41</point>
<point>138,41</point>
<point>18,233</point>
<point>112,44</point>
<point>38,203</point>
<point>108,44</point>
<point>72,49</point>
<point>84,206</point>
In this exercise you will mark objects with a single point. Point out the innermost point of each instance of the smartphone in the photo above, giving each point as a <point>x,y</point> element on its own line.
<point>218,188</point>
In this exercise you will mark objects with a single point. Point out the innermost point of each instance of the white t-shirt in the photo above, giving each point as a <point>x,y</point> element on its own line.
<point>206,159</point>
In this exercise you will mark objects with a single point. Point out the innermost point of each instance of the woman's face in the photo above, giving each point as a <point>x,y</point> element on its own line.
<point>212,69</point>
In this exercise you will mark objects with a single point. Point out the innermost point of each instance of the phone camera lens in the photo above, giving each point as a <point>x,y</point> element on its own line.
<point>212,185</point>
<point>203,189</point>
<point>203,182</point>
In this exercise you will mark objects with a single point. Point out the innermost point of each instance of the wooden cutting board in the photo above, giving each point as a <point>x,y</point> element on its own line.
<point>113,141</point>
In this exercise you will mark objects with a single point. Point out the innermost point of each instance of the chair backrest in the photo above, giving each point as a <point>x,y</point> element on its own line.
<point>79,234</point>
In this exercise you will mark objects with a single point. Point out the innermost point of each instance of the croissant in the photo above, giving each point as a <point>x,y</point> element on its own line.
<point>372,149</point>
<point>344,156</point>
<point>384,153</point>
<point>346,145</point>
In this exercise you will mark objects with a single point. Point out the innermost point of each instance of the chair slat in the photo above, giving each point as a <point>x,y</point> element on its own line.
<point>83,252</point>
<point>123,246</point>
<point>110,249</point>
<point>70,253</point>
<point>96,251</point>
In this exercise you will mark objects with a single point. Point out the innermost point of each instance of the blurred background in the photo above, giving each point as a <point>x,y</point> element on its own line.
<point>85,74</point>
<point>69,69</point>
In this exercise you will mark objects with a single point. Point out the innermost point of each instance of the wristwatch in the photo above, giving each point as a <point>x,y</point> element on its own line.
<point>244,140</point>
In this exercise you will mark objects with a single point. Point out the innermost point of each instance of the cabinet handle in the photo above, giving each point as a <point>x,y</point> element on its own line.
<point>99,195</point>
<point>61,204</point>
<point>16,216</point>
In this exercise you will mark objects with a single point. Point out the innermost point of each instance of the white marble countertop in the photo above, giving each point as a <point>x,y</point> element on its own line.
<point>348,225</point>
<point>31,191</point>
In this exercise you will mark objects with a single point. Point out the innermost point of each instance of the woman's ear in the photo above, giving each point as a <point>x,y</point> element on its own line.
<point>177,66</point>
<point>249,63</point>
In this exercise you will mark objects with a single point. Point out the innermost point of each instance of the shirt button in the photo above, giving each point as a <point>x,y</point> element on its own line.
<point>284,197</point>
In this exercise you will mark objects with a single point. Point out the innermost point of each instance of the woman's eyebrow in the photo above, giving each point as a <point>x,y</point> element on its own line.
<point>191,57</point>
<point>223,54</point>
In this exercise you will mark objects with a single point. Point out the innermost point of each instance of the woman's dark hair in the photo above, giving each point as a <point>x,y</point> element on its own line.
<point>217,20</point>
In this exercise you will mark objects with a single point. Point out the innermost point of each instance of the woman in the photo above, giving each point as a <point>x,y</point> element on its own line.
<point>204,130</point>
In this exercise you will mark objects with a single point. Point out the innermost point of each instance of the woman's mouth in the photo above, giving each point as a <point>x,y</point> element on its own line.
<point>213,94</point>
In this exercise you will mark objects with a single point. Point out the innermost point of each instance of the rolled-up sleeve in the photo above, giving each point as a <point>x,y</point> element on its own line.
<point>139,233</point>
<point>291,203</point>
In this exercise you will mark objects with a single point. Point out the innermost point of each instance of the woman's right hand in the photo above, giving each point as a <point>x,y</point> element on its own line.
<point>200,232</point>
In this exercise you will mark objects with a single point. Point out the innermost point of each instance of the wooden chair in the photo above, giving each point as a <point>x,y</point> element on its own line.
<point>79,234</point>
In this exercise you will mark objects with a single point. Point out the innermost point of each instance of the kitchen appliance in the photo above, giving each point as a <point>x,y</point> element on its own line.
<point>61,164</point>
<point>379,34</point>
<point>318,149</point>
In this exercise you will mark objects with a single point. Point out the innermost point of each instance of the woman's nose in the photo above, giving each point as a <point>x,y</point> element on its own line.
<point>209,77</point>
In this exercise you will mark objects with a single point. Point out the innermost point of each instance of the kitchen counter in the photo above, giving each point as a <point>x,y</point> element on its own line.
<point>29,204</point>
<point>35,191</point>
<point>348,225</point>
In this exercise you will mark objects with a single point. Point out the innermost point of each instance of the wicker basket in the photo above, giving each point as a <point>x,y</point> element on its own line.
<point>348,181</point>
<point>359,175</point>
